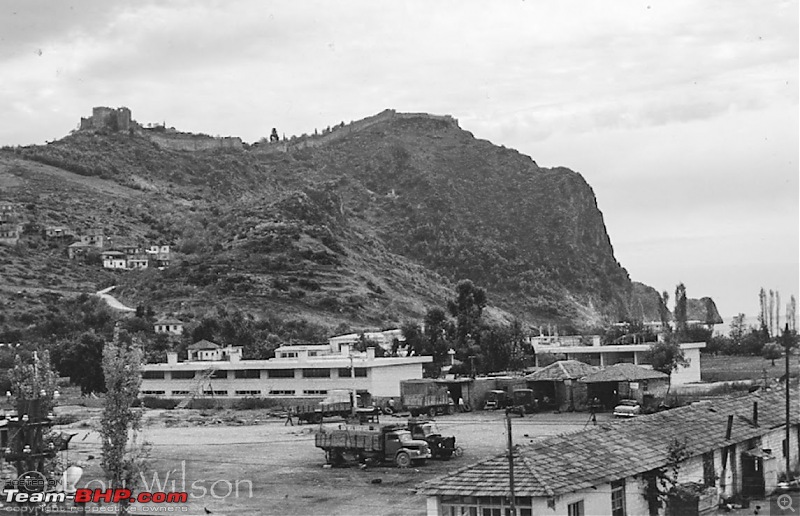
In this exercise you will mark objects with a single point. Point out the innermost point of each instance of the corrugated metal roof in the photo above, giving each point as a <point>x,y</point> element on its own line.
<point>613,450</point>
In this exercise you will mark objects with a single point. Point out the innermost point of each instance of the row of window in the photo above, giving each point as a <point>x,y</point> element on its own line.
<point>240,374</point>
<point>252,392</point>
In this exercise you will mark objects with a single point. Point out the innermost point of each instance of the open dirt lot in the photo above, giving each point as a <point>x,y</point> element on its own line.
<point>248,463</point>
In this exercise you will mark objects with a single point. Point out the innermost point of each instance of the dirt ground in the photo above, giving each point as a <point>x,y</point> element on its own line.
<point>249,463</point>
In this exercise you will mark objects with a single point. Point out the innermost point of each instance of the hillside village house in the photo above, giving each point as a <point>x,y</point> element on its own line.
<point>308,370</point>
<point>57,232</point>
<point>114,260</point>
<point>602,356</point>
<point>168,325</point>
<point>609,469</point>
<point>10,224</point>
<point>134,256</point>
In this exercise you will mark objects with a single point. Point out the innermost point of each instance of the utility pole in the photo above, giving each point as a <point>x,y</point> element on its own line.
<point>511,465</point>
<point>787,341</point>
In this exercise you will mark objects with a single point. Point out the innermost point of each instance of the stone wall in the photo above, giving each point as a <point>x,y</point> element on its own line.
<point>339,132</point>
<point>192,142</point>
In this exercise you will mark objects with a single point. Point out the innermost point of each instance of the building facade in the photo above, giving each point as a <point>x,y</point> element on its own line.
<point>602,356</point>
<point>295,371</point>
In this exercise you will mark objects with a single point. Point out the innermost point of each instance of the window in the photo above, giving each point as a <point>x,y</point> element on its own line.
<point>344,372</point>
<point>289,354</point>
<point>618,498</point>
<point>152,375</point>
<point>709,475</point>
<point>361,372</point>
<point>248,393</point>
<point>317,373</point>
<point>315,392</point>
<point>280,392</point>
<point>250,373</point>
<point>182,375</point>
<point>219,375</point>
<point>215,393</point>
<point>153,392</point>
<point>576,509</point>
<point>280,373</point>
<point>180,393</point>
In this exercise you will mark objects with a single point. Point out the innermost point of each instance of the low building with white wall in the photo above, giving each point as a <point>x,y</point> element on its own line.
<point>603,356</point>
<point>735,446</point>
<point>295,371</point>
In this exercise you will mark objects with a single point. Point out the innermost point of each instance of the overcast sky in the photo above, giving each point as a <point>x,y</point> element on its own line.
<point>682,115</point>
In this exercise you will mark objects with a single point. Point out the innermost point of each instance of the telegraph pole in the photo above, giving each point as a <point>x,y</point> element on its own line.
<point>787,341</point>
<point>511,465</point>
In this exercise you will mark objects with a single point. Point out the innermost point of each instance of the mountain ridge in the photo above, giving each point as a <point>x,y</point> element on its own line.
<point>371,225</point>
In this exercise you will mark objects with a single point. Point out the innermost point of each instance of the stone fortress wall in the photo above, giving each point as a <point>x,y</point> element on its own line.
<point>340,131</point>
<point>119,120</point>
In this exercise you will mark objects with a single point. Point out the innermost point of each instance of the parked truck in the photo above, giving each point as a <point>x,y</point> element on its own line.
<point>442,447</point>
<point>371,444</point>
<point>425,396</point>
<point>339,402</point>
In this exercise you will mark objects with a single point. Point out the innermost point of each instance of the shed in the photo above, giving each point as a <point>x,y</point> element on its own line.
<point>627,381</point>
<point>557,385</point>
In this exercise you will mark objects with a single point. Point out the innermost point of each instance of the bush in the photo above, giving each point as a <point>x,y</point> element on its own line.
<point>254,403</point>
<point>159,403</point>
<point>205,404</point>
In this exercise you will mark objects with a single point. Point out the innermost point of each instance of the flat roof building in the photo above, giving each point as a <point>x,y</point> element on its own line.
<point>309,370</point>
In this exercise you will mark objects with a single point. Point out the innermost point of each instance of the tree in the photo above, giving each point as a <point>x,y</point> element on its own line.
<point>762,316</point>
<point>680,311</point>
<point>738,329</point>
<point>666,357</point>
<point>415,340</point>
<point>82,361</point>
<point>124,458</point>
<point>791,313</point>
<point>438,333</point>
<point>467,308</point>
<point>772,351</point>
<point>771,317</point>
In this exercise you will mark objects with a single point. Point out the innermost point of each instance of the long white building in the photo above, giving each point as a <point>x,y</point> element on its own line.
<point>603,356</point>
<point>310,370</point>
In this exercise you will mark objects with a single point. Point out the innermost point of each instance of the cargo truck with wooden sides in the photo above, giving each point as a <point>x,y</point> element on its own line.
<point>371,444</point>
<point>338,403</point>
<point>425,396</point>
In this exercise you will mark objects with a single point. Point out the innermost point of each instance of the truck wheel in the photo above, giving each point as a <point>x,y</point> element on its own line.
<point>414,413</point>
<point>459,451</point>
<point>388,411</point>
<point>402,459</point>
<point>467,407</point>
<point>316,418</point>
<point>432,412</point>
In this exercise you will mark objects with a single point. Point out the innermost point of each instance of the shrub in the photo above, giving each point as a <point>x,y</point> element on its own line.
<point>159,403</point>
<point>254,403</point>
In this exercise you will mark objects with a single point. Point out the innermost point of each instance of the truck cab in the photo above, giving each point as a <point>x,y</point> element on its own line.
<point>441,447</point>
<point>404,449</point>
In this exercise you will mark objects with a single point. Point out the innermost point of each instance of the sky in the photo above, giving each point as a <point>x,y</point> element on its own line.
<point>682,115</point>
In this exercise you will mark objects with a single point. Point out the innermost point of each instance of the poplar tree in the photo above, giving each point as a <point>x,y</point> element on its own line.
<point>124,457</point>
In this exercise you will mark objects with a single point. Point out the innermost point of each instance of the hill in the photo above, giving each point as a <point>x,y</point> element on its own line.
<point>366,224</point>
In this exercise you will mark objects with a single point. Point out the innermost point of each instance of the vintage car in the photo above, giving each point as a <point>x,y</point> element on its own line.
<point>627,408</point>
